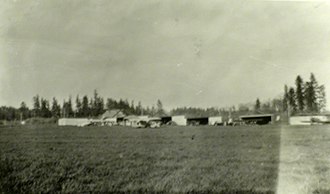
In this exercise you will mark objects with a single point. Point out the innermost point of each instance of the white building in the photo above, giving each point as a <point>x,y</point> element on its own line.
<point>215,120</point>
<point>74,122</point>
<point>309,120</point>
<point>180,120</point>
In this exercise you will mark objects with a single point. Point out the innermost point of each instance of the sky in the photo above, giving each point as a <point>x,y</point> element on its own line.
<point>185,53</point>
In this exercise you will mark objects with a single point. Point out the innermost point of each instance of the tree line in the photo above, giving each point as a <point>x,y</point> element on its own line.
<point>305,98</point>
<point>80,107</point>
<point>270,106</point>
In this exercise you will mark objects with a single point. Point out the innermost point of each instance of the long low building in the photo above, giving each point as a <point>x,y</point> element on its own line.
<point>132,120</point>
<point>260,119</point>
<point>183,120</point>
<point>73,121</point>
<point>197,121</point>
<point>309,120</point>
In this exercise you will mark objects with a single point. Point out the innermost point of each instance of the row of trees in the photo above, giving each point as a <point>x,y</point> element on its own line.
<point>270,106</point>
<point>306,97</point>
<point>82,107</point>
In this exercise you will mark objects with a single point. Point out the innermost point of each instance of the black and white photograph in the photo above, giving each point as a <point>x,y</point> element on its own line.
<point>165,96</point>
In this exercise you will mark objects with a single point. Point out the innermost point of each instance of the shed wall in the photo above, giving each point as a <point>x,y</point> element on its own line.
<point>180,120</point>
<point>214,120</point>
<point>73,121</point>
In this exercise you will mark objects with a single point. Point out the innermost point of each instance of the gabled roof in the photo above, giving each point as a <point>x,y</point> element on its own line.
<point>131,117</point>
<point>161,115</point>
<point>114,113</point>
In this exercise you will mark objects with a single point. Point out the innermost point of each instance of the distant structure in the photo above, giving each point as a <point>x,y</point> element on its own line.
<point>114,113</point>
<point>197,121</point>
<point>113,117</point>
<point>309,120</point>
<point>215,120</point>
<point>259,119</point>
<point>180,120</point>
<point>80,122</point>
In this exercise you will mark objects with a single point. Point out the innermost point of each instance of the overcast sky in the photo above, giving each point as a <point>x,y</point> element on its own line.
<point>186,53</point>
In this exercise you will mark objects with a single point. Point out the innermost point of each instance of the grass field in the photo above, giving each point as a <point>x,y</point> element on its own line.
<point>118,159</point>
<point>305,160</point>
<point>257,159</point>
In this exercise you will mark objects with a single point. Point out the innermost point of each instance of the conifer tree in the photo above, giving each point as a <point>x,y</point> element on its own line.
<point>300,94</point>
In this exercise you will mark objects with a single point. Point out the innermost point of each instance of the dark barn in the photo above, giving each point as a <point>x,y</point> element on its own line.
<point>261,119</point>
<point>198,121</point>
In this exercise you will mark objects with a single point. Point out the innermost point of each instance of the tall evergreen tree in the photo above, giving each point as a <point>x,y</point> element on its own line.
<point>300,94</point>
<point>285,98</point>
<point>36,106</point>
<point>44,110</point>
<point>78,107</point>
<point>292,100</point>
<point>56,109</point>
<point>311,95</point>
<point>315,86</point>
<point>98,104</point>
<point>111,104</point>
<point>321,98</point>
<point>69,108</point>
<point>85,107</point>
<point>24,111</point>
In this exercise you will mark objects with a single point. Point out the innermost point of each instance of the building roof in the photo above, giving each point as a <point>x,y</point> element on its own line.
<point>114,113</point>
<point>154,119</point>
<point>259,115</point>
<point>197,117</point>
<point>131,117</point>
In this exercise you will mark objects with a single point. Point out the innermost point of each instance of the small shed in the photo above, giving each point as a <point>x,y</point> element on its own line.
<point>215,120</point>
<point>179,120</point>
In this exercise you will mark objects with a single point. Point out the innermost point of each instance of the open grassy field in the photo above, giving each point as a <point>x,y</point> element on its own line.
<point>119,159</point>
<point>304,160</point>
<point>267,159</point>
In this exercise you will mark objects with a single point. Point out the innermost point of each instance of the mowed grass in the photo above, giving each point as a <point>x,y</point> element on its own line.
<point>305,159</point>
<point>204,159</point>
